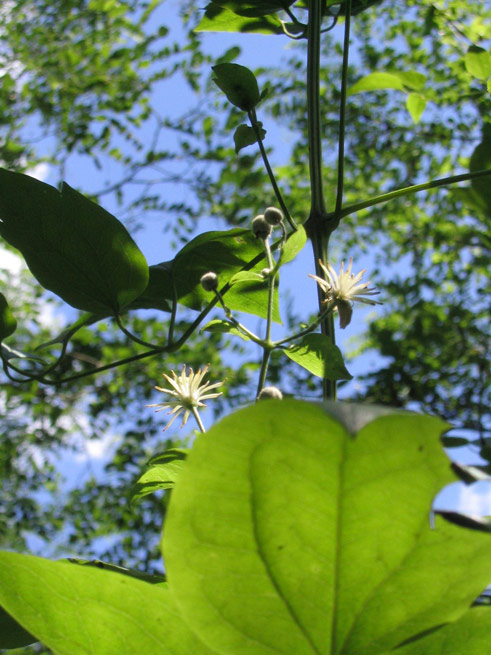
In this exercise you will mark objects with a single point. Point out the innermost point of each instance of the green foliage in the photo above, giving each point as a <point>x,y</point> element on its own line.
<point>218,18</point>
<point>8,324</point>
<point>72,246</point>
<point>79,609</point>
<point>271,486</point>
<point>478,62</point>
<point>317,354</point>
<point>163,472</point>
<point>245,136</point>
<point>239,85</point>
<point>12,635</point>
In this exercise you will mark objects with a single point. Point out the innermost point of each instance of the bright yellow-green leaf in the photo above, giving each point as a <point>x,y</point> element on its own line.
<point>478,62</point>
<point>416,104</point>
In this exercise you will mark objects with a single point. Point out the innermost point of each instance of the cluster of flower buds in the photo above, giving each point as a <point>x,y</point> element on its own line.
<point>263,224</point>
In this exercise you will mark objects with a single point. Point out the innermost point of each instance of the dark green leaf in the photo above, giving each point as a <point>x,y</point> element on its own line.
<point>245,136</point>
<point>224,253</point>
<point>239,85</point>
<point>8,324</point>
<point>317,354</point>
<point>481,160</point>
<point>357,6</point>
<point>254,8</point>
<point>12,635</point>
<point>72,246</point>
<point>454,442</point>
<point>169,455</point>
<point>470,474</point>
<point>158,291</point>
<point>107,566</point>
<point>471,522</point>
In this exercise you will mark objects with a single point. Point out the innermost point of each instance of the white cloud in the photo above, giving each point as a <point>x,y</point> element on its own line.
<point>475,499</point>
<point>10,261</point>
<point>40,171</point>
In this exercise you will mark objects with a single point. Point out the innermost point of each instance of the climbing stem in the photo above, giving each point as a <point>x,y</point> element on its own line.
<point>342,112</point>
<point>313,106</point>
<point>257,131</point>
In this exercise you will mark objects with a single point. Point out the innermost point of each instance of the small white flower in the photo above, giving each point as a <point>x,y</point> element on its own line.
<point>187,395</point>
<point>344,289</point>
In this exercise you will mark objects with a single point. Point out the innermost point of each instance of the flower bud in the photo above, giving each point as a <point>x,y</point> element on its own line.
<point>266,272</point>
<point>345,312</point>
<point>270,392</point>
<point>273,216</point>
<point>260,227</point>
<point>209,281</point>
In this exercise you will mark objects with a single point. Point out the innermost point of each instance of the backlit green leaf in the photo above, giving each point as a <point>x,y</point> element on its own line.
<point>478,62</point>
<point>162,474</point>
<point>72,246</point>
<point>416,104</point>
<point>469,635</point>
<point>317,354</point>
<point>294,244</point>
<point>287,534</point>
<point>76,610</point>
<point>377,82</point>
<point>221,19</point>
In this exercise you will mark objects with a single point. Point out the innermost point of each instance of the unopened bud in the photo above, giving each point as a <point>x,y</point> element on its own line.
<point>273,216</point>
<point>266,272</point>
<point>209,281</point>
<point>270,392</point>
<point>345,313</point>
<point>260,227</point>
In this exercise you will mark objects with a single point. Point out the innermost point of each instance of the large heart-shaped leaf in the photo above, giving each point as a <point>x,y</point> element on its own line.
<point>81,610</point>
<point>287,534</point>
<point>72,245</point>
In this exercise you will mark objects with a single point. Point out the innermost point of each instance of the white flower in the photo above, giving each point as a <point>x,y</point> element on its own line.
<point>187,394</point>
<point>345,289</point>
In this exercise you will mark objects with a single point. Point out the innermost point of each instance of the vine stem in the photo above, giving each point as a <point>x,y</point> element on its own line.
<point>432,184</point>
<point>267,345</point>
<point>342,113</point>
<point>318,226</point>
<point>253,120</point>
